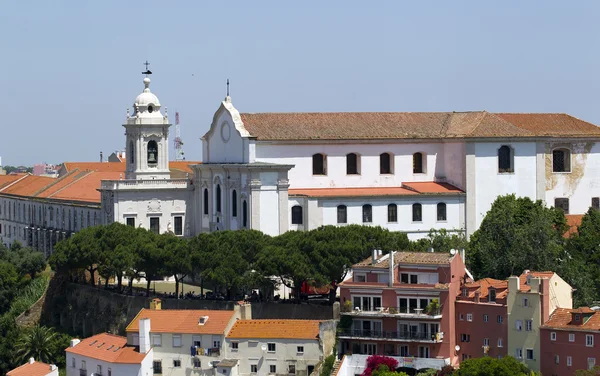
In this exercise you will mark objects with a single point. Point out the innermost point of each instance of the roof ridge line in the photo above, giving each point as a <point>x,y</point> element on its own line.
<point>58,180</point>
<point>15,182</point>
<point>86,173</point>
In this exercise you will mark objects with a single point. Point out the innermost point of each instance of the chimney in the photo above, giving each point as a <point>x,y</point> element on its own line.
<point>144,336</point>
<point>101,157</point>
<point>74,342</point>
<point>374,257</point>
<point>53,367</point>
<point>463,255</point>
<point>31,360</point>
<point>514,284</point>
<point>477,296</point>
<point>545,292</point>
<point>391,269</point>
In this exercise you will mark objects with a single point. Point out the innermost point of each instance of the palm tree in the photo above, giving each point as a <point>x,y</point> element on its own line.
<point>36,343</point>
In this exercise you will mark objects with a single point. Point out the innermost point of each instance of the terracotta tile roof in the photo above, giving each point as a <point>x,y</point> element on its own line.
<point>432,187</point>
<point>412,125</point>
<point>432,258</point>
<point>95,166</point>
<point>407,189</point>
<point>109,348</point>
<point>523,278</point>
<point>482,286</point>
<point>276,329</point>
<point>31,369</point>
<point>184,321</point>
<point>573,221</point>
<point>182,165</point>
<point>351,192</point>
<point>86,188</point>
<point>562,318</point>
<point>6,180</point>
<point>28,186</point>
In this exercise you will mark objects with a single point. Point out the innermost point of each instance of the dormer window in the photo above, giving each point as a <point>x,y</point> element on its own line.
<point>465,292</point>
<point>577,317</point>
<point>492,295</point>
<point>203,320</point>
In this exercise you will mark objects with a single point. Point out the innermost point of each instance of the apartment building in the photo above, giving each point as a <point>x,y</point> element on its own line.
<point>481,319</point>
<point>185,341</point>
<point>109,355</point>
<point>33,368</point>
<point>532,298</point>
<point>403,305</point>
<point>293,347</point>
<point>569,341</point>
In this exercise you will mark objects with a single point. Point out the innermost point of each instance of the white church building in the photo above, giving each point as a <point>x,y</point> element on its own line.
<point>274,172</point>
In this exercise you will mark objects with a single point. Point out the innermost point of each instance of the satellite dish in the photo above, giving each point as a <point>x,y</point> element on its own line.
<point>263,347</point>
<point>457,348</point>
<point>453,252</point>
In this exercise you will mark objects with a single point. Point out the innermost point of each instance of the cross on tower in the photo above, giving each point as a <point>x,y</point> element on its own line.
<point>147,72</point>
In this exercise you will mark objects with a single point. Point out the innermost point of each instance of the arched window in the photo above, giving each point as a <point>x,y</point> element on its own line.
<point>297,215</point>
<point>417,213</point>
<point>367,212</point>
<point>342,214</point>
<point>319,164</point>
<point>441,211</point>
<point>385,163</point>
<point>218,198</point>
<point>205,201</point>
<point>244,213</point>
<point>561,160</point>
<point>505,159</point>
<point>234,203</point>
<point>418,166</point>
<point>131,152</point>
<point>152,152</point>
<point>392,213</point>
<point>352,164</point>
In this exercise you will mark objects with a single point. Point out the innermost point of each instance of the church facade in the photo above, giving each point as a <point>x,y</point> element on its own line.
<point>275,172</point>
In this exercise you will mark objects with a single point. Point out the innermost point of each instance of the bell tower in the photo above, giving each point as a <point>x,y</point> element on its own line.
<point>147,138</point>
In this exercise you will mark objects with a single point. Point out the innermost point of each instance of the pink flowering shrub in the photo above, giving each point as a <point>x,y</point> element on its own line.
<point>374,361</point>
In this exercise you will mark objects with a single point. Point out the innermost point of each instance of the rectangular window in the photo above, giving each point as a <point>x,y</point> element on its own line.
<point>519,353</point>
<point>156,340</point>
<point>234,345</point>
<point>197,363</point>
<point>525,302</point>
<point>589,340</point>
<point>562,203</point>
<point>571,337</point>
<point>155,225</point>
<point>469,317</point>
<point>271,347</point>
<point>73,362</point>
<point>461,317</point>
<point>109,372</point>
<point>83,365</point>
<point>196,340</point>
<point>360,277</point>
<point>342,214</point>
<point>556,359</point>
<point>529,354</point>
<point>300,349</point>
<point>157,366</point>
<point>292,369</point>
<point>596,203</point>
<point>178,225</point>
<point>552,336</point>
<point>273,369</point>
<point>253,368</point>
<point>518,325</point>
<point>176,363</point>
<point>528,325</point>
<point>403,350</point>
<point>499,319</point>
<point>486,341</point>
<point>135,339</point>
<point>591,363</point>
<point>500,342</point>
<point>176,340</point>
<point>485,318</point>
<point>131,221</point>
<point>569,361</point>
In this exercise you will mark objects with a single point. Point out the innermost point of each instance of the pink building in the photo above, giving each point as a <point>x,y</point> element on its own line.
<point>403,308</point>
<point>568,341</point>
<point>481,319</point>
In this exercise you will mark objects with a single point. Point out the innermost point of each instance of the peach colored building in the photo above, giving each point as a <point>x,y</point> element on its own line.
<point>569,341</point>
<point>403,308</point>
<point>481,319</point>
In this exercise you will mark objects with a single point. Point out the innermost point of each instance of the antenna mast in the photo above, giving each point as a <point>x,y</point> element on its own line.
<point>179,154</point>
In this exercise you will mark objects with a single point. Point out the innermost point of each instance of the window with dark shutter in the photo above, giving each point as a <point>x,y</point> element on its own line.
<point>234,203</point>
<point>505,160</point>
<point>441,211</point>
<point>385,163</point>
<point>205,201</point>
<point>341,214</point>
<point>352,164</point>
<point>418,163</point>
<point>561,160</point>
<point>596,202</point>
<point>218,198</point>
<point>392,213</point>
<point>367,211</point>
<point>562,203</point>
<point>297,215</point>
<point>417,214</point>
<point>319,167</point>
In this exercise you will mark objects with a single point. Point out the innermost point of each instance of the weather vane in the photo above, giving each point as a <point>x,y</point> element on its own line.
<point>148,71</point>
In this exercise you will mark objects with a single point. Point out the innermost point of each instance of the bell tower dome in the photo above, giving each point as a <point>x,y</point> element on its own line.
<point>147,138</point>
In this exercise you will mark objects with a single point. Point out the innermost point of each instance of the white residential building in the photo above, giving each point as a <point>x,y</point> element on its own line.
<point>291,347</point>
<point>33,368</point>
<point>185,342</point>
<point>108,355</point>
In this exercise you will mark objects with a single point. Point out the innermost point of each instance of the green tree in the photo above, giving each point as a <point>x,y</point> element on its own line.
<point>26,259</point>
<point>441,241</point>
<point>516,234</point>
<point>383,370</point>
<point>152,256</point>
<point>118,255</point>
<point>488,366</point>
<point>37,342</point>
<point>178,259</point>
<point>588,372</point>
<point>9,281</point>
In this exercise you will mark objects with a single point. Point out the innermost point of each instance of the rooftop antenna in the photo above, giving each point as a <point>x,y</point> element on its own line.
<point>148,71</point>
<point>228,87</point>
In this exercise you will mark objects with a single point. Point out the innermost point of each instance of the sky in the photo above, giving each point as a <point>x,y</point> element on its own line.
<point>70,69</point>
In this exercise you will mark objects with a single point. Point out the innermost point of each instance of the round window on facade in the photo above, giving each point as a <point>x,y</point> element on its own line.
<point>150,109</point>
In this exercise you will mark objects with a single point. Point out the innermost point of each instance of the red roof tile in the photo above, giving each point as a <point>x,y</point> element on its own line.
<point>276,329</point>
<point>31,369</point>
<point>432,187</point>
<point>482,286</point>
<point>183,321</point>
<point>109,348</point>
<point>412,125</point>
<point>573,221</point>
<point>429,258</point>
<point>523,278</point>
<point>6,180</point>
<point>562,318</point>
<point>351,192</point>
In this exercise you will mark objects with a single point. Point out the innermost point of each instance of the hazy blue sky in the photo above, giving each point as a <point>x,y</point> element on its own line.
<point>69,69</point>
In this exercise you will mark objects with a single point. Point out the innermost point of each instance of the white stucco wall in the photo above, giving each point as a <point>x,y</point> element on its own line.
<point>142,369</point>
<point>250,352</point>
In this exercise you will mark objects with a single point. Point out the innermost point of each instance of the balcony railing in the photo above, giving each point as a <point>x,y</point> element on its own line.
<point>139,184</point>
<point>431,312</point>
<point>382,334</point>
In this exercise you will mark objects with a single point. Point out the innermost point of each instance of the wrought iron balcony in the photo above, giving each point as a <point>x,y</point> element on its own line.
<point>387,335</point>
<point>399,312</point>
